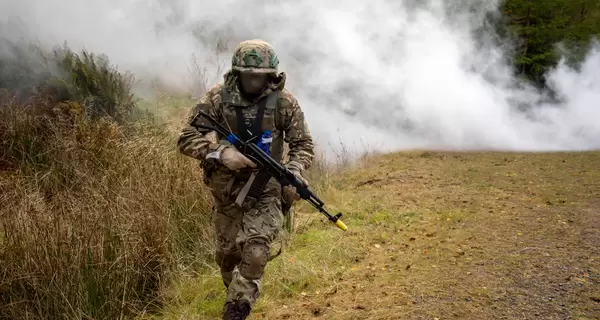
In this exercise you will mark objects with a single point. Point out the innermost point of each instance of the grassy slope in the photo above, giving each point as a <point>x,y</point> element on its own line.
<point>438,236</point>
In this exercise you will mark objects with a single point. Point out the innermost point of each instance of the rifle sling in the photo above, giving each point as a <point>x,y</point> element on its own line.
<point>241,124</point>
<point>260,114</point>
<point>253,188</point>
<point>247,134</point>
<point>257,182</point>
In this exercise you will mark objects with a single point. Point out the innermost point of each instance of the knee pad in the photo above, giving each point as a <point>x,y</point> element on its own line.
<point>254,259</point>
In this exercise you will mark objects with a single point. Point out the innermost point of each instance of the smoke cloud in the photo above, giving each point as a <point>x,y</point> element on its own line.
<point>381,75</point>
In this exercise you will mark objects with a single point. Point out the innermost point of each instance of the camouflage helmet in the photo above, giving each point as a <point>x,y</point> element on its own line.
<point>255,56</point>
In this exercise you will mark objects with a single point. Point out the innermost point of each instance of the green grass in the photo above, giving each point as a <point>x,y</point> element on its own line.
<point>103,218</point>
<point>442,235</point>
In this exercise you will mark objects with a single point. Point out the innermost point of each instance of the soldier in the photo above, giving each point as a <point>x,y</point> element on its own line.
<point>252,102</point>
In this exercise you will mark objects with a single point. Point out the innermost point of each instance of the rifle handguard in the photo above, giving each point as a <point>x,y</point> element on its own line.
<point>275,169</point>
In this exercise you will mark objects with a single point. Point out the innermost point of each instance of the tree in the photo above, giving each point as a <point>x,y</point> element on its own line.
<point>541,25</point>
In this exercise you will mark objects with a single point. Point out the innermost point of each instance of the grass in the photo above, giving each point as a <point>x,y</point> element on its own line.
<point>438,235</point>
<point>96,229</point>
<point>99,210</point>
<point>102,218</point>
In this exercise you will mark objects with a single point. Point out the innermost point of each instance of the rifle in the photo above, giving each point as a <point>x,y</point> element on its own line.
<point>274,168</point>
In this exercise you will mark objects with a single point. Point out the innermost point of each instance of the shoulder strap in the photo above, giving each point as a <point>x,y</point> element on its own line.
<point>241,124</point>
<point>270,102</point>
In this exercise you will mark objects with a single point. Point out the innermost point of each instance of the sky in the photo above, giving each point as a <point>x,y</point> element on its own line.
<point>377,75</point>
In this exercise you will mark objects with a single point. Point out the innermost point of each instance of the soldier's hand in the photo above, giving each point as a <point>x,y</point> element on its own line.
<point>290,190</point>
<point>235,160</point>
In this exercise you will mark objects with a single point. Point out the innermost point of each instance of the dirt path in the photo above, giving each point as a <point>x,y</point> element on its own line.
<point>459,236</point>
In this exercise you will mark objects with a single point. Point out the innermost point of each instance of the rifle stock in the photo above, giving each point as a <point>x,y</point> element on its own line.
<point>274,168</point>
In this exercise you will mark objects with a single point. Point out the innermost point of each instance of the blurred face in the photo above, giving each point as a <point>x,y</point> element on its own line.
<point>253,83</point>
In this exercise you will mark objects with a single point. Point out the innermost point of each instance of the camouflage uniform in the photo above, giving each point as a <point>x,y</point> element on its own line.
<point>245,232</point>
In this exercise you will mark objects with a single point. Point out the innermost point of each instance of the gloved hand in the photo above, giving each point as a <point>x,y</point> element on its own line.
<point>231,158</point>
<point>290,190</point>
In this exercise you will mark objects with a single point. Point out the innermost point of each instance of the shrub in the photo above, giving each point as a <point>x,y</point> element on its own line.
<point>96,209</point>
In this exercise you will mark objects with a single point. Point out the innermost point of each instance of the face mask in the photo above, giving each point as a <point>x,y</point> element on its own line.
<point>253,83</point>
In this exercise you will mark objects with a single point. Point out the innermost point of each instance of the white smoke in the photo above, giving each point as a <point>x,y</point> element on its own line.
<point>380,74</point>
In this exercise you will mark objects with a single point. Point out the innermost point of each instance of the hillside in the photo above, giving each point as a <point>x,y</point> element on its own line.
<point>102,217</point>
<point>437,235</point>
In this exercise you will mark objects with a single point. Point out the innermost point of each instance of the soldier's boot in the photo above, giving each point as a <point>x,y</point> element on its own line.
<point>238,310</point>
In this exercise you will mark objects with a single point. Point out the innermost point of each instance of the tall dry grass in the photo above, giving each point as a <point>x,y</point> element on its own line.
<point>97,209</point>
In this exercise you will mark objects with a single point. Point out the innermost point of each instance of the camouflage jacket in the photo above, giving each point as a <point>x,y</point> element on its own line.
<point>286,122</point>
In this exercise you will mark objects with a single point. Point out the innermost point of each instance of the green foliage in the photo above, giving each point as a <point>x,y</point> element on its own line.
<point>62,75</point>
<point>541,25</point>
<point>103,90</point>
<point>96,210</point>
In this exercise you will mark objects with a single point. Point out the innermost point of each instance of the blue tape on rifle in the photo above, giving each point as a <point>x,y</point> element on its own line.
<point>232,138</point>
<point>264,143</point>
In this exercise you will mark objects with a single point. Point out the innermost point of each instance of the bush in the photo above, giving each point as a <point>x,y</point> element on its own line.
<point>62,75</point>
<point>96,209</point>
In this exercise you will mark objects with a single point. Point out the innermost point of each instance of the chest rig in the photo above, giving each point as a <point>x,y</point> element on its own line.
<point>255,123</point>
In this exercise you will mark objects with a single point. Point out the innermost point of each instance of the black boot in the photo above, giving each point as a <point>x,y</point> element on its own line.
<point>237,310</point>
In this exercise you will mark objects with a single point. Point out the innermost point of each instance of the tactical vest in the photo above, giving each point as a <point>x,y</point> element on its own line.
<point>259,122</point>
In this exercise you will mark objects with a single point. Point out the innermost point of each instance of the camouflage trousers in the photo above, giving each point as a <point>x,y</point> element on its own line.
<point>244,236</point>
